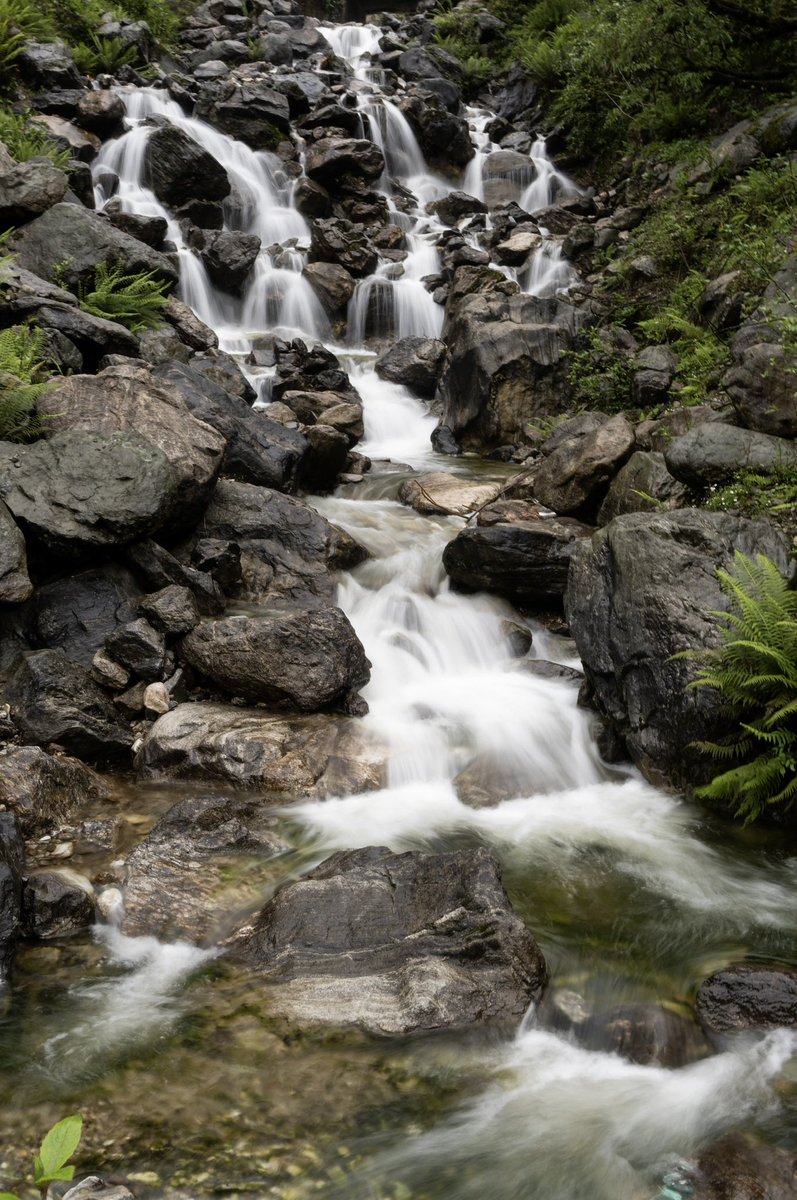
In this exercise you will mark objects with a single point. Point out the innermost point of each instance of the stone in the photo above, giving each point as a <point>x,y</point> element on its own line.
<point>191,331</point>
<point>282,757</point>
<point>643,484</point>
<point>305,662</point>
<point>573,478</point>
<point>326,458</point>
<point>100,111</point>
<point>79,491</point>
<point>49,65</point>
<point>628,620</point>
<point>81,144</point>
<point>442,135</point>
<point>761,389</point>
<point>174,883</point>
<point>29,189</point>
<point>456,205</point>
<point>342,242</point>
<point>173,609</point>
<point>738,1168</point>
<point>506,173</point>
<point>441,948</point>
<point>645,1034</point>
<point>249,110</point>
<point>157,700</point>
<point>15,584</point>
<point>56,902</point>
<point>109,673</point>
<point>72,235</point>
<point>515,249</point>
<point>748,996</point>
<point>94,1188</point>
<point>46,791</point>
<point>441,492</point>
<point>715,453</point>
<point>415,362</point>
<point>12,859</point>
<point>131,398</point>
<point>151,230</point>
<point>220,558</point>
<point>140,648</point>
<point>54,700</point>
<point>229,257</point>
<point>330,158</point>
<point>526,562</point>
<point>159,569</point>
<point>332,283</point>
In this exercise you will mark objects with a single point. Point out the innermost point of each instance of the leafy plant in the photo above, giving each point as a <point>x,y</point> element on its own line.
<point>600,375</point>
<point>103,54</point>
<point>773,495</point>
<point>755,672</point>
<point>26,139</point>
<point>23,378</point>
<point>50,1164</point>
<point>135,300</point>
<point>21,21</point>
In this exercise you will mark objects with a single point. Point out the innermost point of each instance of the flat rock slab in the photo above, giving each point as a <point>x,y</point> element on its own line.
<point>748,996</point>
<point>395,944</point>
<point>441,492</point>
<point>288,758</point>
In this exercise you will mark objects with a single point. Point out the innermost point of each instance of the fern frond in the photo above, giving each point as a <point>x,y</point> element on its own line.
<point>134,300</point>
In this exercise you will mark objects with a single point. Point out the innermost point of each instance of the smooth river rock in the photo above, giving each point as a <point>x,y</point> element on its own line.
<point>46,791</point>
<point>395,944</point>
<point>748,996</point>
<point>442,492</point>
<point>715,453</point>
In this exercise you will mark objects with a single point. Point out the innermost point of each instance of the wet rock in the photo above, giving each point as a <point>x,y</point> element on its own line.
<point>54,700</point>
<point>427,62</point>
<point>12,858</point>
<point>575,474</point>
<point>305,662</point>
<point>175,880</point>
<point>77,240</point>
<point>151,230</point>
<point>748,996</point>
<point>628,620</point>
<point>29,189</point>
<point>715,453</point>
<point>284,757</point>
<point>159,569</point>
<point>251,111</point>
<point>140,648</point>
<point>326,459</point>
<point>332,283</point>
<point>643,484</point>
<point>94,1188</point>
<point>258,449</point>
<point>415,362</point>
<point>542,668</point>
<point>173,609</point>
<point>191,331</point>
<point>46,791</point>
<point>15,584</point>
<point>342,242</point>
<point>80,492</point>
<point>328,408</point>
<point>329,159</point>
<point>229,257</point>
<point>738,1168</point>
<point>526,562</point>
<point>443,136</point>
<point>56,902</point>
<point>456,205</point>
<point>444,442</point>
<point>441,492</point>
<point>132,398</point>
<point>515,249</point>
<point>220,558</point>
<point>109,673</point>
<point>644,1034</point>
<point>77,613</point>
<point>49,65</point>
<point>505,173</point>
<point>101,112</point>
<point>441,947</point>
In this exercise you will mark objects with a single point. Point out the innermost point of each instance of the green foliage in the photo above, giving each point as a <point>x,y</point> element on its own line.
<point>755,672</point>
<point>21,21</point>
<point>773,495</point>
<point>23,378</point>
<point>50,1164</point>
<point>135,301</point>
<point>702,357</point>
<point>600,375</point>
<point>26,139</point>
<point>103,54</point>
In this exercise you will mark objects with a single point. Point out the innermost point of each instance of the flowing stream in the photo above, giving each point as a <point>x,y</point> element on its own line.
<point>634,896</point>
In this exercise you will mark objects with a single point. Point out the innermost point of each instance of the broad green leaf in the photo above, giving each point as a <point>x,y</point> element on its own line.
<point>58,1146</point>
<point>8,1196</point>
<point>63,1173</point>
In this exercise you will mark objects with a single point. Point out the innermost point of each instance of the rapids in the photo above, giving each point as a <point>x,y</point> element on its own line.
<point>633,895</point>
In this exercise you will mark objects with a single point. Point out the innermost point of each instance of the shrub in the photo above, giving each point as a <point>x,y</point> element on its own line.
<point>755,672</point>
<point>21,21</point>
<point>26,139</point>
<point>135,301</point>
<point>23,378</point>
<point>103,54</point>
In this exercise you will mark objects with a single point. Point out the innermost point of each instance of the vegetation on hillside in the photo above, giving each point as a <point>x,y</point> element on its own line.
<point>134,300</point>
<point>24,375</point>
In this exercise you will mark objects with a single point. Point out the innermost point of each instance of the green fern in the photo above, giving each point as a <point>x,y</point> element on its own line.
<point>26,139</point>
<point>21,21</point>
<point>103,54</point>
<point>135,301</point>
<point>755,671</point>
<point>23,379</point>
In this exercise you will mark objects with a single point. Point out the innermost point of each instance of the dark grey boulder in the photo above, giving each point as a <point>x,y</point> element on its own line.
<point>174,880</point>
<point>70,234</point>
<point>54,700</point>
<point>646,1034</point>
<point>342,242</point>
<point>416,362</point>
<point>49,65</point>
<point>306,662</point>
<point>258,450</point>
<point>643,484</point>
<point>715,453</point>
<point>427,62</point>
<point>574,476</point>
<point>177,168</point>
<point>12,859</point>
<point>456,205</point>
<point>440,948</point>
<point>330,158</point>
<point>159,568</point>
<point>173,609</point>
<point>527,563</point>
<point>332,283</point>
<point>56,902</point>
<point>15,584</point>
<point>28,190</point>
<point>46,791</point>
<point>748,996</point>
<point>442,135</point>
<point>77,613</point>
<point>252,111</point>
<point>229,257</point>
<point>739,1168</point>
<point>761,389</point>
<point>151,230</point>
<point>640,591</point>
<point>140,648</point>
<point>100,111</point>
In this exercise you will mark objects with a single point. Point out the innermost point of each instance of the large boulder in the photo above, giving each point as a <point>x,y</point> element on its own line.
<point>748,996</point>
<point>283,757</point>
<point>15,584</point>
<point>306,662</point>
<point>12,858</point>
<point>415,362</point>
<point>643,484</point>
<point>258,450</point>
<point>56,901</point>
<point>640,591</point>
<point>738,1168</point>
<point>332,283</point>
<point>80,492</point>
<point>396,944</point>
<point>160,569</point>
<point>46,791</point>
<point>527,562</point>
<point>573,477</point>
<point>761,382</point>
<point>54,700</point>
<point>442,135</point>
<point>178,169</point>
<point>49,65</point>
<point>336,240</point>
<point>229,257</point>
<point>329,159</point>
<point>28,190</point>
<point>130,397</point>
<point>715,453</point>
<point>78,613</point>
<point>250,110</point>
<point>75,240</point>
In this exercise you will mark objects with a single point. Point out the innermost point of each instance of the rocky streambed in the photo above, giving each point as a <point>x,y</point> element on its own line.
<point>342,848</point>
